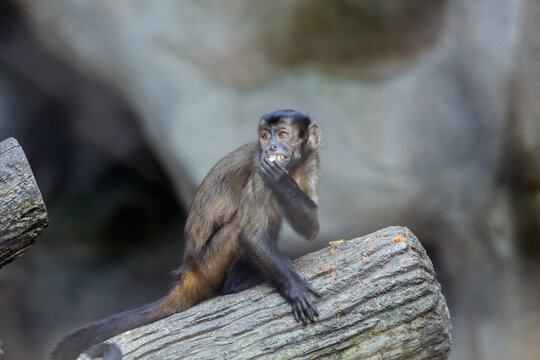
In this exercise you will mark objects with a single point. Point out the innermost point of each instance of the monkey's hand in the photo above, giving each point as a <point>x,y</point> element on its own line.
<point>299,209</point>
<point>275,175</point>
<point>302,306</point>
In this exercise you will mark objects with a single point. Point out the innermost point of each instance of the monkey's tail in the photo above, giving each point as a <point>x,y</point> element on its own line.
<point>80,340</point>
<point>105,351</point>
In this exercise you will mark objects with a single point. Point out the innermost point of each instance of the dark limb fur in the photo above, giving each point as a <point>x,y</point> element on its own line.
<point>242,275</point>
<point>299,209</point>
<point>276,267</point>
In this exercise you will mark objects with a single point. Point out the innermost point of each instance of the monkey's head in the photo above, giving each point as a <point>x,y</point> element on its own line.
<point>288,136</point>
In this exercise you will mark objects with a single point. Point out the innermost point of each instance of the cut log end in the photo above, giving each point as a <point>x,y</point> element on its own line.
<point>380,300</point>
<point>23,215</point>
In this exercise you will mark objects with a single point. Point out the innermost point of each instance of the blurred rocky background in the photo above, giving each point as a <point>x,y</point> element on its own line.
<point>431,118</point>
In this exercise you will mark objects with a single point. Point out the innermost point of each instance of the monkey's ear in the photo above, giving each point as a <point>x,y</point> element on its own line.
<point>314,137</point>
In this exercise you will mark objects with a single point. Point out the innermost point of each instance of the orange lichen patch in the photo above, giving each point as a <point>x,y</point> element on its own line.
<point>381,287</point>
<point>386,270</point>
<point>338,316</point>
<point>322,268</point>
<point>401,261</point>
<point>288,325</point>
<point>365,258</point>
<point>406,232</point>
<point>357,279</point>
<point>362,287</point>
<point>336,242</point>
<point>399,238</point>
<point>333,250</point>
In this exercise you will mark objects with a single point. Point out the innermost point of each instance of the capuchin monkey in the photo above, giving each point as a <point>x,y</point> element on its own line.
<point>232,229</point>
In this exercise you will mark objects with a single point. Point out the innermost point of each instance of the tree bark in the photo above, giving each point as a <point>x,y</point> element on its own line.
<point>381,300</point>
<point>23,215</point>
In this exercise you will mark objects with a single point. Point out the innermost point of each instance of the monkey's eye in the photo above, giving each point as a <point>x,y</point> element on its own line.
<point>265,136</point>
<point>281,135</point>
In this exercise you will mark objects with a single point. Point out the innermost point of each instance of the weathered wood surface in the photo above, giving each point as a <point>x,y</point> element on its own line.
<point>23,215</point>
<point>381,300</point>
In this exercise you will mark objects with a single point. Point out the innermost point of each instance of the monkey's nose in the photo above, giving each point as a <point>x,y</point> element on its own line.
<point>273,147</point>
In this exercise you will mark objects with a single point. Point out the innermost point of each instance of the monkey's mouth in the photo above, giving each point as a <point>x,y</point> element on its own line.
<point>281,158</point>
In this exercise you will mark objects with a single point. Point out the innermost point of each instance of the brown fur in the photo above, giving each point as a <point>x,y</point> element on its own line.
<point>232,203</point>
<point>241,201</point>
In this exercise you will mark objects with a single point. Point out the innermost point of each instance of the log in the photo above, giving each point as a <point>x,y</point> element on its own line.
<point>23,215</point>
<point>381,300</point>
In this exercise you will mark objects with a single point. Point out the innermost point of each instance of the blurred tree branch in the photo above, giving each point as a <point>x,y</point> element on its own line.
<point>23,215</point>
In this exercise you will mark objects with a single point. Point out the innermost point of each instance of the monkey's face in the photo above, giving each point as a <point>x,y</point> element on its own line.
<point>280,142</point>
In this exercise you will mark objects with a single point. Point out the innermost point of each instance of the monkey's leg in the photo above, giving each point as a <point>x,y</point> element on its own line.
<point>277,269</point>
<point>242,275</point>
<point>203,274</point>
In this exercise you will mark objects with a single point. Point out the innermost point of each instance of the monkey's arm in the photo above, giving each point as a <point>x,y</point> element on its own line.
<point>299,209</point>
<point>276,268</point>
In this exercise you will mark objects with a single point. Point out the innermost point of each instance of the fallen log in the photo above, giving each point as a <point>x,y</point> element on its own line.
<point>380,300</point>
<point>23,215</point>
